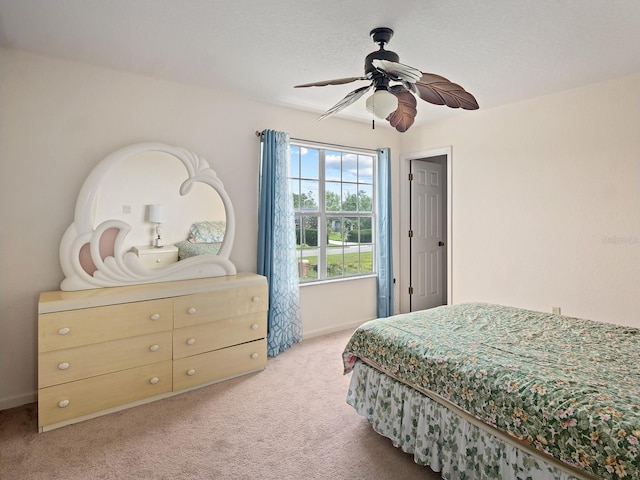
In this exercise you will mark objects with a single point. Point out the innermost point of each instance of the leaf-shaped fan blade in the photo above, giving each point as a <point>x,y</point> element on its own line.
<point>406,113</point>
<point>440,91</point>
<point>398,71</point>
<point>346,101</point>
<point>337,81</point>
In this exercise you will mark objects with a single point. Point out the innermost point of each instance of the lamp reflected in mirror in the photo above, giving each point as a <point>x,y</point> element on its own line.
<point>157,215</point>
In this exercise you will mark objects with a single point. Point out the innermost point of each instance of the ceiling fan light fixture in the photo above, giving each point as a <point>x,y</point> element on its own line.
<point>382,103</point>
<point>396,103</point>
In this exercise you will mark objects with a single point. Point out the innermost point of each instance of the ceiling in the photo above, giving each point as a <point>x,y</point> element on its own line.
<point>501,51</point>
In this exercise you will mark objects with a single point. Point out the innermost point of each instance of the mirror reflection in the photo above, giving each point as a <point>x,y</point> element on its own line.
<point>140,196</point>
<point>143,190</point>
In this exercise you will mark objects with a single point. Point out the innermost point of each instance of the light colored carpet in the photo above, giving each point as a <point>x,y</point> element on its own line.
<point>290,421</point>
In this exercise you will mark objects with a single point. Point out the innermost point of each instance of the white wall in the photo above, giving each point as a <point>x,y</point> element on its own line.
<point>58,119</point>
<point>546,201</point>
<point>546,192</point>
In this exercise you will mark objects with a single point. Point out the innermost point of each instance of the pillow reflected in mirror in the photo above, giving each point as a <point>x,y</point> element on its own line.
<point>207,232</point>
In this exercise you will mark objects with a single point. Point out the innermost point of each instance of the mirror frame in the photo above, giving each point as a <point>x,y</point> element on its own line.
<point>114,265</point>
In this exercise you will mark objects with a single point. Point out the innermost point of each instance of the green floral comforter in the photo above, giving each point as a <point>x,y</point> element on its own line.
<point>569,387</point>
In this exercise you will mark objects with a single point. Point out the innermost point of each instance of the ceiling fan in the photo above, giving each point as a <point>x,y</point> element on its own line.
<point>395,85</point>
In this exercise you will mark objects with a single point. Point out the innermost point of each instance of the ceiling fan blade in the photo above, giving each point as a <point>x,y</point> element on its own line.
<point>406,112</point>
<point>440,91</point>
<point>346,101</point>
<point>337,81</point>
<point>398,71</point>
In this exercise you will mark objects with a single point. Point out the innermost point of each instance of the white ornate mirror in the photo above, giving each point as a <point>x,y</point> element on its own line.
<point>112,235</point>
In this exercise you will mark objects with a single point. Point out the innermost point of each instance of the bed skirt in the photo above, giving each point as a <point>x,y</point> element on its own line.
<point>438,437</point>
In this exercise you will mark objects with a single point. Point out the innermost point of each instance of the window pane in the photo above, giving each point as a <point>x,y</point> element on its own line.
<point>332,196</point>
<point>309,195</point>
<point>334,261</point>
<point>365,198</point>
<point>352,229</point>
<point>349,167</point>
<point>333,165</point>
<point>308,264</point>
<point>298,231</point>
<point>349,197</point>
<point>366,259</point>
<point>295,191</point>
<point>294,155</point>
<point>307,231</point>
<point>366,223</point>
<point>334,230</point>
<point>310,161</point>
<point>365,169</point>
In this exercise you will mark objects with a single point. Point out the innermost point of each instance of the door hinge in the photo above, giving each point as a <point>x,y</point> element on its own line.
<point>410,290</point>
<point>411,177</point>
<point>410,233</point>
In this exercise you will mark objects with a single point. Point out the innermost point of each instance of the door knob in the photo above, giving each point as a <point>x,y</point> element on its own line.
<point>440,244</point>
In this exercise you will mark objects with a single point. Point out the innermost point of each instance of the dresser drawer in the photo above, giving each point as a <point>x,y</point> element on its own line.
<point>61,366</point>
<point>63,402</point>
<point>220,364</point>
<point>226,303</point>
<point>218,334</point>
<point>93,325</point>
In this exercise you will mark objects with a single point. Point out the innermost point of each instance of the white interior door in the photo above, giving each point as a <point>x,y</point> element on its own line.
<point>428,250</point>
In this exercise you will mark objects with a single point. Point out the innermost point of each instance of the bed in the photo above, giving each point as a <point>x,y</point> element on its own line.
<point>486,391</point>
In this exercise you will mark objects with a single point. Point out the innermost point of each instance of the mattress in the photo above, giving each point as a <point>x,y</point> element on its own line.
<point>568,387</point>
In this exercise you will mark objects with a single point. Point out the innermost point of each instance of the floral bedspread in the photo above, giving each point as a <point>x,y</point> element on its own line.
<point>569,387</point>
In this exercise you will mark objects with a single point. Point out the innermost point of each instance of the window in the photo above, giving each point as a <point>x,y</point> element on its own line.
<point>334,199</point>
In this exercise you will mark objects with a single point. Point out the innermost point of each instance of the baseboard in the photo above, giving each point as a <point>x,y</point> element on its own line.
<point>18,400</point>
<point>328,330</point>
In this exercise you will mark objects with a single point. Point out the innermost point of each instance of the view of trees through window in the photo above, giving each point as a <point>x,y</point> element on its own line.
<point>333,196</point>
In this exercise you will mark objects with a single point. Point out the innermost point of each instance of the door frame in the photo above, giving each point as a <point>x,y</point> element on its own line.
<point>405,222</point>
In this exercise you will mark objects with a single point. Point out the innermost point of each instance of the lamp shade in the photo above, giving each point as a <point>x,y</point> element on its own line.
<point>157,214</point>
<point>382,103</point>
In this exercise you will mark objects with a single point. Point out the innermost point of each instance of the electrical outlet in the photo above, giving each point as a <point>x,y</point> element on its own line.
<point>555,310</point>
<point>126,209</point>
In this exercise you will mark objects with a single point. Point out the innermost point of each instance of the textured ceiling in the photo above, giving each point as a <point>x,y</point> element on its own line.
<point>502,51</point>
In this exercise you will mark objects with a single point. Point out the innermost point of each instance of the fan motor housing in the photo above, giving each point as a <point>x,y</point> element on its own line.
<point>381,36</point>
<point>381,54</point>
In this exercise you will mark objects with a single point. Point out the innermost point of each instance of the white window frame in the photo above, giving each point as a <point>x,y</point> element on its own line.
<point>322,214</point>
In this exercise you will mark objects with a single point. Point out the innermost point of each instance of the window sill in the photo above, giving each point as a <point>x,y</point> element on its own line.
<point>336,280</point>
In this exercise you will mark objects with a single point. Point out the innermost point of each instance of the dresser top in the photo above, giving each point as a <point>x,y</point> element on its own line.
<point>58,301</point>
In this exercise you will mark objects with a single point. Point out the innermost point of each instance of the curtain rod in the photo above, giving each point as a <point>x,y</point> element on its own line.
<point>260,134</point>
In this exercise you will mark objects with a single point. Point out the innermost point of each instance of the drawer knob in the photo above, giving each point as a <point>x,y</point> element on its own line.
<point>191,341</point>
<point>154,348</point>
<point>155,316</point>
<point>254,355</point>
<point>64,331</point>
<point>63,403</point>
<point>154,380</point>
<point>255,299</point>
<point>63,365</point>
<point>191,310</point>
<point>191,372</point>
<point>254,326</point>
<point>157,260</point>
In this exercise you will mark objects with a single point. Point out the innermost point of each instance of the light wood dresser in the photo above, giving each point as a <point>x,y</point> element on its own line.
<point>107,349</point>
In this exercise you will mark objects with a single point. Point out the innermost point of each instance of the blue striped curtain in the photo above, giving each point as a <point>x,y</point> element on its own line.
<point>277,244</point>
<point>385,250</point>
